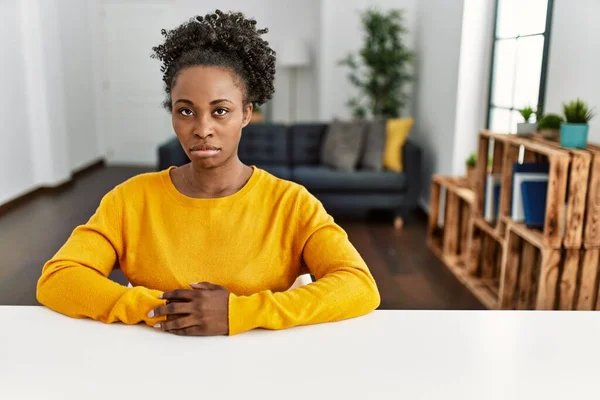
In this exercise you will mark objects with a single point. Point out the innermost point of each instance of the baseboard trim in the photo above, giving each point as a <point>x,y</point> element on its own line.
<point>41,190</point>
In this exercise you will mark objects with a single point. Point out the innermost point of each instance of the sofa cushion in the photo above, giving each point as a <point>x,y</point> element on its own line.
<point>375,135</point>
<point>397,132</point>
<point>322,178</point>
<point>264,144</point>
<point>280,171</point>
<point>307,140</point>
<point>343,144</point>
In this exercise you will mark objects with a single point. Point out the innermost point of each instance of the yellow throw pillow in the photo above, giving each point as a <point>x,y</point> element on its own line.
<point>397,131</point>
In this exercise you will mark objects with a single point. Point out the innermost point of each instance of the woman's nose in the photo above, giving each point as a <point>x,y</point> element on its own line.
<point>203,128</point>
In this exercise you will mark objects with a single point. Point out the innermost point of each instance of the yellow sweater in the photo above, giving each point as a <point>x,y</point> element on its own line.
<point>255,243</point>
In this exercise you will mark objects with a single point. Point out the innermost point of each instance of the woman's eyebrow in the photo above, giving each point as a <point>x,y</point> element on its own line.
<point>186,101</point>
<point>217,101</point>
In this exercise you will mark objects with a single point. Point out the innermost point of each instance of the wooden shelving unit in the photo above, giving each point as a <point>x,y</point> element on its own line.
<point>506,264</point>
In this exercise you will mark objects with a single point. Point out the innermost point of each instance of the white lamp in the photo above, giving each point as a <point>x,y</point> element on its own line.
<point>293,54</point>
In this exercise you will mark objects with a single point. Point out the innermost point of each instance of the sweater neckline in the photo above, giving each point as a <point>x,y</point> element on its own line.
<point>208,202</point>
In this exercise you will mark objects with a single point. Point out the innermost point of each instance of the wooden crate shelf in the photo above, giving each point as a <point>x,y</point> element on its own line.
<point>506,264</point>
<point>543,278</point>
<point>485,248</point>
<point>450,241</point>
<point>556,232</point>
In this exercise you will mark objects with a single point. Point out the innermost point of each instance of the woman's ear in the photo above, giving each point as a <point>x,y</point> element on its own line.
<point>247,114</point>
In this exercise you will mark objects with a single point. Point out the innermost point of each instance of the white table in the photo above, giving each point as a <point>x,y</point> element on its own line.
<point>384,355</point>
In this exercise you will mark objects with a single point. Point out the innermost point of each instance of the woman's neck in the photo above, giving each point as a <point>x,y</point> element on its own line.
<point>216,182</point>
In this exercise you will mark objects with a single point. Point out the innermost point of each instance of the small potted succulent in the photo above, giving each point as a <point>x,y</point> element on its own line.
<point>471,170</point>
<point>574,132</point>
<point>527,127</point>
<point>549,126</point>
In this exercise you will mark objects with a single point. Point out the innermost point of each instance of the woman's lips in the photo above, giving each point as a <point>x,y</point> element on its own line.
<point>205,150</point>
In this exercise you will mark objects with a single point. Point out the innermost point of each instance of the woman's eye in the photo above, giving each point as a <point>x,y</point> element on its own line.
<point>221,111</point>
<point>186,111</point>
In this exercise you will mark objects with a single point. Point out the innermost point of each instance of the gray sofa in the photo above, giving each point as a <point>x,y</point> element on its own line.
<point>293,153</point>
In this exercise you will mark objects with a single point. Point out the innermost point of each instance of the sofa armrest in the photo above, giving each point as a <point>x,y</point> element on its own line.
<point>412,157</point>
<point>171,153</point>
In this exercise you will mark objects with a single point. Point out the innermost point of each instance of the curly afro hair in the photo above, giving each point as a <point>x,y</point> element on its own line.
<point>228,40</point>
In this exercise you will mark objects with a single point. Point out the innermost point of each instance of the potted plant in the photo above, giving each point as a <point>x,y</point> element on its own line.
<point>574,132</point>
<point>381,69</point>
<point>549,126</point>
<point>526,128</point>
<point>471,170</point>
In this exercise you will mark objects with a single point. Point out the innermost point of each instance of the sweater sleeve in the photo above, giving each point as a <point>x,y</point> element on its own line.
<point>344,286</point>
<point>75,281</point>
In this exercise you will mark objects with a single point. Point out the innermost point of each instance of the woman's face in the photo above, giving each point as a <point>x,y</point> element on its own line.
<point>209,114</point>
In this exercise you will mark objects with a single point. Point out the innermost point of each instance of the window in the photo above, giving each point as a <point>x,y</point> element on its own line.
<point>519,60</point>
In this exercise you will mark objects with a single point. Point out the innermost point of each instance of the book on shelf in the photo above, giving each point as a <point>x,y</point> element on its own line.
<point>491,197</point>
<point>527,172</point>
<point>534,202</point>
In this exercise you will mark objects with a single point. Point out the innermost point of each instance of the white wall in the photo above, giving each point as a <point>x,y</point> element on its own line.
<point>438,40</point>
<point>16,169</point>
<point>47,105</point>
<point>574,58</point>
<point>75,34</point>
<point>473,79</point>
<point>342,33</point>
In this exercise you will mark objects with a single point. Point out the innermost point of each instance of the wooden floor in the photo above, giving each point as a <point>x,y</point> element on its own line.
<point>408,275</point>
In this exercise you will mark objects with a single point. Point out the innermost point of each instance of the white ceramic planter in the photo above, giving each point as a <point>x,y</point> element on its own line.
<point>526,128</point>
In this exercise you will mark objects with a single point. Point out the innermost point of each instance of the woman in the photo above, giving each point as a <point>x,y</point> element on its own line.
<point>212,246</point>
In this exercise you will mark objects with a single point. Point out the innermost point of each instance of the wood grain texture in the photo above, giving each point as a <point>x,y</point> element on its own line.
<point>568,279</point>
<point>529,156</point>
<point>591,236</point>
<point>576,199</point>
<point>537,147</point>
<point>434,208</point>
<point>498,157</point>
<point>509,270</point>
<point>548,279</point>
<point>531,235</point>
<point>588,286</point>
<point>528,262</point>
<point>465,220</point>
<point>555,201</point>
<point>473,249</point>
<point>511,154</point>
<point>481,172</point>
<point>488,251</point>
<point>451,224</point>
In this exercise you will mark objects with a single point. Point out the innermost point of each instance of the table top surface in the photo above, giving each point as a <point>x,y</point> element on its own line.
<point>384,355</point>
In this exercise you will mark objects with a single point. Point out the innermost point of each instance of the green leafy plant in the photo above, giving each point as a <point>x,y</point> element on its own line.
<point>472,160</point>
<point>577,112</point>
<point>527,112</point>
<point>550,121</point>
<point>257,108</point>
<point>381,69</point>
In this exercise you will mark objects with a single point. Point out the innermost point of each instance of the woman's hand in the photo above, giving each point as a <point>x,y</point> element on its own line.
<point>203,311</point>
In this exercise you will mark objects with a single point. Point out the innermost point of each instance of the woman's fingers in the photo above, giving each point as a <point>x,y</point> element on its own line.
<point>178,324</point>
<point>172,308</point>
<point>180,294</point>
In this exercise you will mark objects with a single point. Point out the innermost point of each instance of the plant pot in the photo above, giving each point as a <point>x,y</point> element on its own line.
<point>526,128</point>
<point>574,136</point>
<point>471,176</point>
<point>552,134</point>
